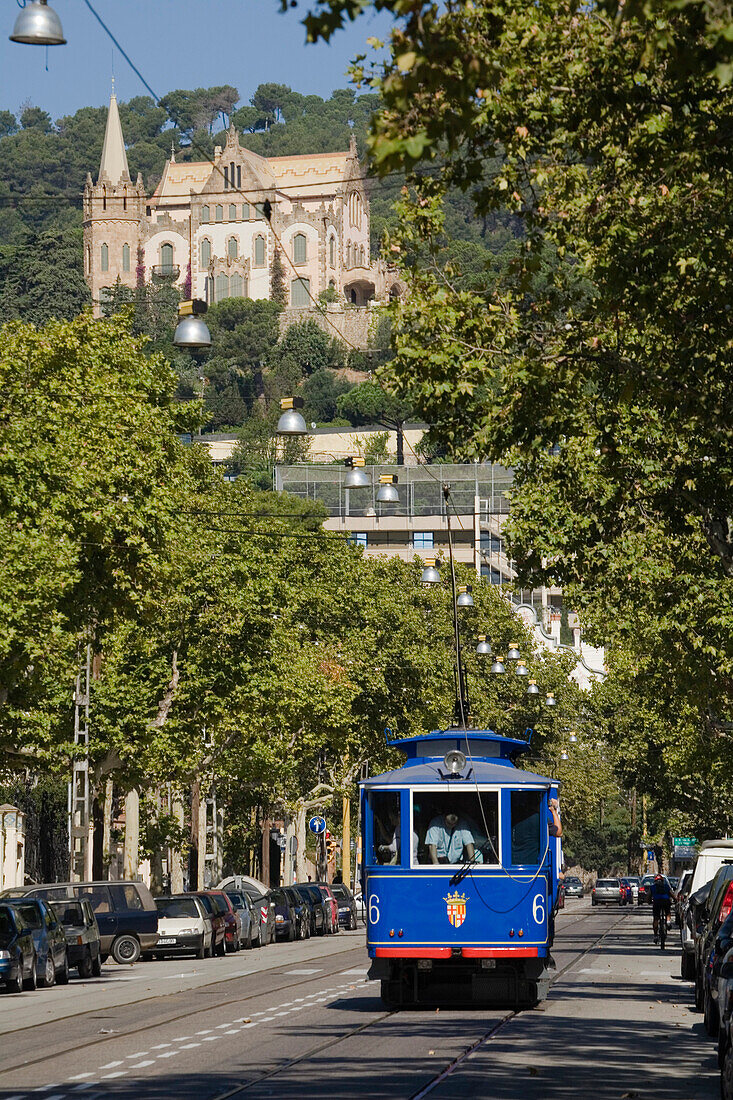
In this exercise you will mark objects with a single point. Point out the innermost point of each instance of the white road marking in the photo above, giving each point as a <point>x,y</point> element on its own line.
<point>168,1054</point>
<point>142,1065</point>
<point>78,1077</point>
<point>360,972</point>
<point>140,1054</point>
<point>211,1039</point>
<point>206,1031</point>
<point>160,1046</point>
<point>111,1065</point>
<point>189,1046</point>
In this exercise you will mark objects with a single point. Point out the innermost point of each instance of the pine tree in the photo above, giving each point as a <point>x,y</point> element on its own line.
<point>278,290</point>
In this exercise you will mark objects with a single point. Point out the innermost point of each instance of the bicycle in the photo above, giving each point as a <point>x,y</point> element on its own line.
<point>662,929</point>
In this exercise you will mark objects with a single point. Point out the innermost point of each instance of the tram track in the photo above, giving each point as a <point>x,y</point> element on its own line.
<point>164,1021</point>
<point>425,1090</point>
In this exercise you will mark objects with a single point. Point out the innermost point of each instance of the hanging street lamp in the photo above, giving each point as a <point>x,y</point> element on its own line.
<point>465,599</point>
<point>387,493</point>
<point>192,331</point>
<point>38,25</point>
<point>513,654</point>
<point>291,421</point>
<point>498,669</point>
<point>483,649</point>
<point>532,688</point>
<point>355,476</point>
<point>430,573</point>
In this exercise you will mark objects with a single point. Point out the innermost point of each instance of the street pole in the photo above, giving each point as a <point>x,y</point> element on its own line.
<point>462,705</point>
<point>346,841</point>
<point>79,802</point>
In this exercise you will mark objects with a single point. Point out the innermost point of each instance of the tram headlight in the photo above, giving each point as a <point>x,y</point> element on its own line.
<point>455,761</point>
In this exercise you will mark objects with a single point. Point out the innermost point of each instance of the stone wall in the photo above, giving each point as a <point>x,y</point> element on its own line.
<point>353,325</point>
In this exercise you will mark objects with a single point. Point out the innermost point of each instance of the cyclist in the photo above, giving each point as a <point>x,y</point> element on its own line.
<point>661,899</point>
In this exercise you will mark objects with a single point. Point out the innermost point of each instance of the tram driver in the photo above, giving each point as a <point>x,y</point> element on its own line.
<point>449,838</point>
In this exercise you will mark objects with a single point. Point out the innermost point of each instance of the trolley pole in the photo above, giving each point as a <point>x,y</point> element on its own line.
<point>346,841</point>
<point>79,802</point>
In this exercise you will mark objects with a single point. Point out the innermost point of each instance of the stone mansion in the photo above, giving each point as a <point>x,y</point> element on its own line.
<point>213,228</point>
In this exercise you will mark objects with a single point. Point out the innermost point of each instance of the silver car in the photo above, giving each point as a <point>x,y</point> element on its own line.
<point>607,891</point>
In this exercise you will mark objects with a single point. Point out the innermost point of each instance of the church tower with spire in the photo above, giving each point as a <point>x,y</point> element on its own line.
<point>114,216</point>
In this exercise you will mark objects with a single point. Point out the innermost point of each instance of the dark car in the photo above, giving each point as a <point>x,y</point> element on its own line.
<point>215,913</point>
<point>248,915</point>
<point>17,951</point>
<point>573,887</point>
<point>314,905</point>
<point>83,944</point>
<point>681,895</point>
<point>627,897</point>
<point>645,890</point>
<point>286,919</point>
<point>232,920</point>
<point>49,939</point>
<point>322,911</point>
<point>302,913</point>
<point>346,905</point>
<point>711,920</point>
<point>125,912</point>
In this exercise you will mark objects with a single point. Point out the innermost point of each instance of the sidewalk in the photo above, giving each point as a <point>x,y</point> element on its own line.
<point>619,1024</point>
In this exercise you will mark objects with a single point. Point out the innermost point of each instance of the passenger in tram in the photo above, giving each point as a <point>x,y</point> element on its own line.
<point>389,850</point>
<point>449,838</point>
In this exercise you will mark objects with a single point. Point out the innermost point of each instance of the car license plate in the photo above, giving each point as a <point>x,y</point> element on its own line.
<point>166,939</point>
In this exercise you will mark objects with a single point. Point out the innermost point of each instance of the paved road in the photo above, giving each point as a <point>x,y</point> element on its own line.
<point>301,1020</point>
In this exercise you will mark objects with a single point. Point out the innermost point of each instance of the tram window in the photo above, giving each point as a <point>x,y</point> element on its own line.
<point>448,827</point>
<point>526,834</point>
<point>386,831</point>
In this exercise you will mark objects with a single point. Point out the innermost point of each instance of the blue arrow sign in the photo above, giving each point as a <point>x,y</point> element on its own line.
<point>317,825</point>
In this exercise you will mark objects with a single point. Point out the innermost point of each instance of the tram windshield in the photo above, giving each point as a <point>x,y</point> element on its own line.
<point>526,833</point>
<point>450,827</point>
<point>386,838</point>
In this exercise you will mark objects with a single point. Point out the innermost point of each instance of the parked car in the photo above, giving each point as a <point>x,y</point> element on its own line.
<point>681,895</point>
<point>302,913</point>
<point>17,951</point>
<point>184,927</point>
<point>674,882</point>
<point>215,913</point>
<point>83,943</point>
<point>712,916</point>
<point>259,894</point>
<point>573,887</point>
<point>314,902</point>
<point>627,894</point>
<point>232,920</point>
<point>346,905</point>
<point>125,912</point>
<point>49,940</point>
<point>645,890</point>
<point>331,906</point>
<point>286,921</point>
<point>712,855</point>
<point>249,915</point>
<point>607,891</point>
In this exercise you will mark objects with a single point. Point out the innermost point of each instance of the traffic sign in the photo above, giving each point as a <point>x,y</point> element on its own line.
<point>317,825</point>
<point>684,841</point>
<point>282,842</point>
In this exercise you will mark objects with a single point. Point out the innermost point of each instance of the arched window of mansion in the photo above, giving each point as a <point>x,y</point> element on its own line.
<point>299,248</point>
<point>205,253</point>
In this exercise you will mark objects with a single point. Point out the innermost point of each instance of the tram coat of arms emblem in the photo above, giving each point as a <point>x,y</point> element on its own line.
<point>456,904</point>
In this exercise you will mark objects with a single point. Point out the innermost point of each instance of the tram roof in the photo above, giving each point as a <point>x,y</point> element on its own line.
<point>480,771</point>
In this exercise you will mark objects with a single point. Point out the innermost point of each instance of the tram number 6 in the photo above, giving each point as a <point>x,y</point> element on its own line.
<point>538,909</point>
<point>373,908</point>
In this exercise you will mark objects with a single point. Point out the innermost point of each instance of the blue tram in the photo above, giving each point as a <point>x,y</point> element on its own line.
<point>460,872</point>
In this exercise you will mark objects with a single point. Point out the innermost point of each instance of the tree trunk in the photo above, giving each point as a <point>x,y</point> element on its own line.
<point>131,857</point>
<point>193,853</point>
<point>266,850</point>
<point>176,860</point>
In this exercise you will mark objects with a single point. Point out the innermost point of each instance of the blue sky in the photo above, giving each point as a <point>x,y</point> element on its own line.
<point>175,44</point>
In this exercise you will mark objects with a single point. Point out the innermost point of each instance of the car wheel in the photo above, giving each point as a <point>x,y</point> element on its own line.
<point>17,984</point>
<point>97,967</point>
<point>687,967</point>
<point>710,1017</point>
<point>352,923</point>
<point>722,1045</point>
<point>49,972</point>
<point>63,976</point>
<point>201,951</point>
<point>221,949</point>
<point>86,966</point>
<point>699,993</point>
<point>126,950</point>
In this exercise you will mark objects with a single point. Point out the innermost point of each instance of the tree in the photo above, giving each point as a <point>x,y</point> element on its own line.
<point>43,278</point>
<point>321,391</point>
<point>278,289</point>
<point>369,403</point>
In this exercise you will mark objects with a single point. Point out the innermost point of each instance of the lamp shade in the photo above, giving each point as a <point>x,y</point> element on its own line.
<point>192,331</point>
<point>532,688</point>
<point>387,493</point>
<point>498,668</point>
<point>291,422</point>
<point>465,599</point>
<point>513,654</point>
<point>564,755</point>
<point>430,573</point>
<point>550,700</point>
<point>355,476</point>
<point>573,739</point>
<point>483,649</point>
<point>38,25</point>
<point>521,669</point>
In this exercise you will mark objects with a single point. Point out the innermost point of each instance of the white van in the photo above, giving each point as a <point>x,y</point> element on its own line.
<point>713,854</point>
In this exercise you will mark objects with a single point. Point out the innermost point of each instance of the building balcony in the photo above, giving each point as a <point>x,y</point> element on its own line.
<point>165,271</point>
